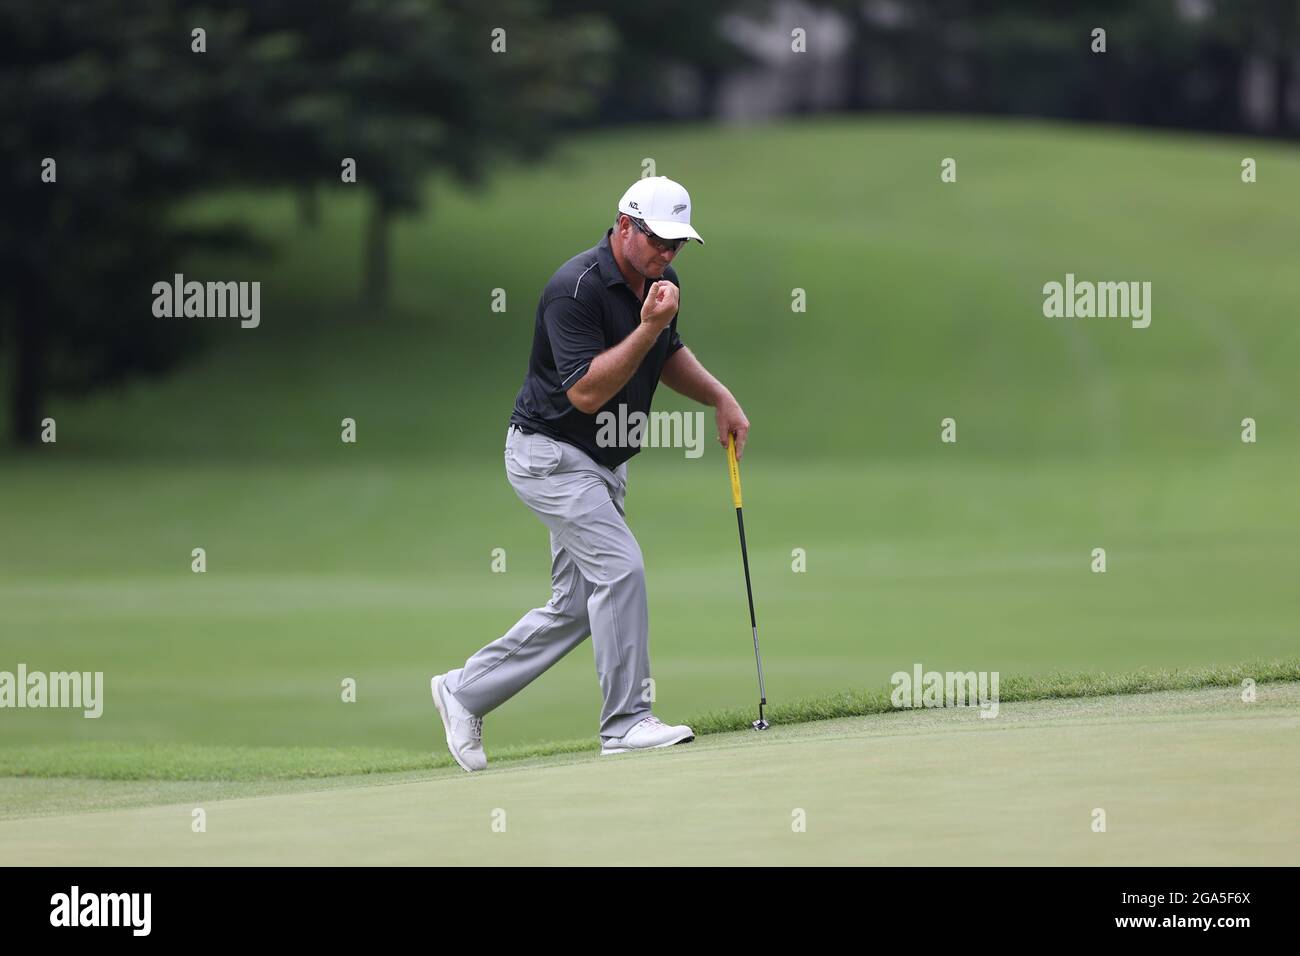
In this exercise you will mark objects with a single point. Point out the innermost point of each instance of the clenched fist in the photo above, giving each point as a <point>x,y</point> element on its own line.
<point>660,305</point>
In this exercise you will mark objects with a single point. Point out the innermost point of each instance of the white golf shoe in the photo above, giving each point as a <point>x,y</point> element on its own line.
<point>646,734</point>
<point>464,730</point>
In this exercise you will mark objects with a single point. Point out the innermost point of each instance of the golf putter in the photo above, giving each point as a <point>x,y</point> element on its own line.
<point>734,468</point>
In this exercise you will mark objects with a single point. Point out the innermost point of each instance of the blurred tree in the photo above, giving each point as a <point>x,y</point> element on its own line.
<point>1270,31</point>
<point>406,86</point>
<point>1168,62</point>
<point>656,41</point>
<point>138,121</point>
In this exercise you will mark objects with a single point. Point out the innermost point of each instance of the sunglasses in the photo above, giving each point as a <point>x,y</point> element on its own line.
<point>663,245</point>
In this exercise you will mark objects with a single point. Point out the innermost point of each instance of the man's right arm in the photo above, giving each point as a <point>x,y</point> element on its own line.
<point>614,367</point>
<point>611,370</point>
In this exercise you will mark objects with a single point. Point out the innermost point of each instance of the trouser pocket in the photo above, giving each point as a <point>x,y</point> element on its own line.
<point>535,455</point>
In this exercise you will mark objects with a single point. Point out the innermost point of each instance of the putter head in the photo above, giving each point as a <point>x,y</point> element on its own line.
<point>760,724</point>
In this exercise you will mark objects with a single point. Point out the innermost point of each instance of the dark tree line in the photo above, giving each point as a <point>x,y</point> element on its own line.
<point>137,121</point>
<point>1166,63</point>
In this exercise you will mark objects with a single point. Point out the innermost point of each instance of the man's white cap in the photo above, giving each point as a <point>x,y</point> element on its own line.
<point>663,204</point>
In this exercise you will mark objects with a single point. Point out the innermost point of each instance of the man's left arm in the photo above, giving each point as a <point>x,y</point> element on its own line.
<point>684,374</point>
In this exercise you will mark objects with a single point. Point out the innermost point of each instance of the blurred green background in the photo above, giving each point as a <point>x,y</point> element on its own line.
<point>373,560</point>
<point>478,171</point>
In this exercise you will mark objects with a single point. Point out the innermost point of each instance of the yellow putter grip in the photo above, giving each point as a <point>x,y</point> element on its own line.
<point>734,469</point>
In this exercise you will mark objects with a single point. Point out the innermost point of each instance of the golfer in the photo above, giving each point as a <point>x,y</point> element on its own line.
<point>605,334</point>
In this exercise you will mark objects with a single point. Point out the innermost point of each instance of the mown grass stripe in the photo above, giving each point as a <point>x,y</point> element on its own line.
<point>177,762</point>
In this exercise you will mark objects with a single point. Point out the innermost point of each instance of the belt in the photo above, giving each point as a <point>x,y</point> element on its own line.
<point>526,431</point>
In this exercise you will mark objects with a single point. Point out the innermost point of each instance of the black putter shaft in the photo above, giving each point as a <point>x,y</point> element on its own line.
<point>734,468</point>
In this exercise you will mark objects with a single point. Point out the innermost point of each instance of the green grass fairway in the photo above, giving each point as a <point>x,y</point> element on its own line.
<point>1185,778</point>
<point>374,561</point>
<point>355,571</point>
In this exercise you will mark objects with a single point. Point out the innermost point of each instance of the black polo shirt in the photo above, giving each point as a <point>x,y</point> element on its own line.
<point>585,309</point>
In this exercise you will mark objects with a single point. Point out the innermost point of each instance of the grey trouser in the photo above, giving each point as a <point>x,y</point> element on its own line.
<point>598,587</point>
